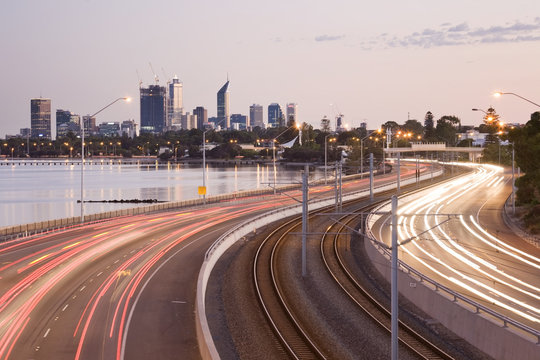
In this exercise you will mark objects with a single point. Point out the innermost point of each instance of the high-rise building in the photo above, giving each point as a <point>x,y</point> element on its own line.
<point>40,117</point>
<point>129,127</point>
<point>189,121</point>
<point>90,127</point>
<point>275,115</point>
<point>292,114</point>
<point>240,120</point>
<point>62,117</point>
<point>175,102</point>
<point>256,116</point>
<point>202,116</point>
<point>153,109</point>
<point>223,114</point>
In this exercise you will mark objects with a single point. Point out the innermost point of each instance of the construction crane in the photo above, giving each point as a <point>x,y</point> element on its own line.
<point>139,78</point>
<point>156,78</point>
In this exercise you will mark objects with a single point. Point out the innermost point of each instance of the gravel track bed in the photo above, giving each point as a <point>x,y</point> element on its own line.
<point>240,330</point>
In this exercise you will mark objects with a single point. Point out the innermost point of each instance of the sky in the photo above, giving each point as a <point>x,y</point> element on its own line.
<point>372,61</point>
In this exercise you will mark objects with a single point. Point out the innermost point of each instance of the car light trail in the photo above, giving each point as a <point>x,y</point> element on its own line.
<point>430,207</point>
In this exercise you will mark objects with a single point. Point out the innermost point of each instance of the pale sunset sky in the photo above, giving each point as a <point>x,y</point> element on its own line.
<point>372,61</point>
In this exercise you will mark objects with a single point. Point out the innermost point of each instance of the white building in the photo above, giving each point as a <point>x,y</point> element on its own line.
<point>175,105</point>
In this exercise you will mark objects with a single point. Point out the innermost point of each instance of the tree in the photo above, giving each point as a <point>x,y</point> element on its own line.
<point>325,124</point>
<point>526,141</point>
<point>429,126</point>
<point>490,126</point>
<point>446,130</point>
<point>413,126</point>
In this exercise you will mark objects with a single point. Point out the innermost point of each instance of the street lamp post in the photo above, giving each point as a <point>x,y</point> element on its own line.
<point>326,157</point>
<point>82,150</point>
<point>204,164</point>
<point>362,152</point>
<point>274,150</point>
<point>499,93</point>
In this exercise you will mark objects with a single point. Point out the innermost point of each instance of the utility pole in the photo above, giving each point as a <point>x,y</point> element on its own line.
<point>398,173</point>
<point>336,185</point>
<point>370,176</point>
<point>340,184</point>
<point>394,278</point>
<point>305,199</point>
<point>513,182</point>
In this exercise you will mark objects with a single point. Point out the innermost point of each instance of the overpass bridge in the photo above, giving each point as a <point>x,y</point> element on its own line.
<point>474,152</point>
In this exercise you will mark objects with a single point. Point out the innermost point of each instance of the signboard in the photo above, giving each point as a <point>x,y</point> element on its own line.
<point>202,190</point>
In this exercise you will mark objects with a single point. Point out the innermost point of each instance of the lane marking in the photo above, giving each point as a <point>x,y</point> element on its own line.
<point>39,259</point>
<point>98,235</point>
<point>72,245</point>
<point>47,332</point>
<point>178,302</point>
<point>65,307</point>
<point>101,272</point>
<point>84,286</point>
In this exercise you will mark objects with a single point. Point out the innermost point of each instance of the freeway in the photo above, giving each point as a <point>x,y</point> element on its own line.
<point>123,288</point>
<point>454,233</point>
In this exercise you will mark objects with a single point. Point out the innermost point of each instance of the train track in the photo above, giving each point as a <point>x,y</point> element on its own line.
<point>332,243</point>
<point>296,336</point>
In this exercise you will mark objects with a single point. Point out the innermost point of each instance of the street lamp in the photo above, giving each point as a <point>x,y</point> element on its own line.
<point>204,164</point>
<point>274,150</point>
<point>362,151</point>
<point>326,156</point>
<point>499,93</point>
<point>127,99</point>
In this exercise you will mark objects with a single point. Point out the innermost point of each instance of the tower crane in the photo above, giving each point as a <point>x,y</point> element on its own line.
<point>139,78</point>
<point>156,78</point>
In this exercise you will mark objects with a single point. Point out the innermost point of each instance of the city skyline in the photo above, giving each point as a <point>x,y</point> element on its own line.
<point>368,63</point>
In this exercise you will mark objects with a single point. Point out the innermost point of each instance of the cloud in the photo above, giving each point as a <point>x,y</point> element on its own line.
<point>458,28</point>
<point>329,37</point>
<point>448,34</point>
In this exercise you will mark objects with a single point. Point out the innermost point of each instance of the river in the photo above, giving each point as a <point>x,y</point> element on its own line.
<point>38,190</point>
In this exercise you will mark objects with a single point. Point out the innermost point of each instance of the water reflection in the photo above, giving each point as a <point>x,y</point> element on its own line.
<point>37,191</point>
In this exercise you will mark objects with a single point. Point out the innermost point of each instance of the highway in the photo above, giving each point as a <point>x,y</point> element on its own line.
<point>123,288</point>
<point>454,234</point>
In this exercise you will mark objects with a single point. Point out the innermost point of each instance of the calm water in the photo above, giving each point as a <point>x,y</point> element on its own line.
<point>31,193</point>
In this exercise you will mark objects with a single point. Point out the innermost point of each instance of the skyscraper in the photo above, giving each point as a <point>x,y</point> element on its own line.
<point>292,114</point>
<point>153,109</point>
<point>223,114</point>
<point>62,117</point>
<point>40,117</point>
<point>275,115</point>
<point>202,116</point>
<point>175,102</point>
<point>256,116</point>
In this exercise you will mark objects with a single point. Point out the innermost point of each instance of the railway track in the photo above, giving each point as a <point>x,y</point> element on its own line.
<point>331,245</point>
<point>296,336</point>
